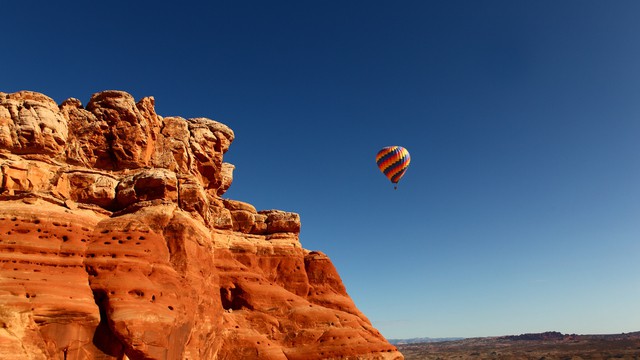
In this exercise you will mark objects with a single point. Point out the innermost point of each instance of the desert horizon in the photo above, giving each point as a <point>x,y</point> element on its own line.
<point>551,345</point>
<point>421,339</point>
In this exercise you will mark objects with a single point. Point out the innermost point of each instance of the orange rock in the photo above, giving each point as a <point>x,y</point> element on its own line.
<point>48,307</point>
<point>115,244</point>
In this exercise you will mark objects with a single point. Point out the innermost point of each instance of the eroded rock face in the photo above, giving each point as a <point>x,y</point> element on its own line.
<point>115,243</point>
<point>31,123</point>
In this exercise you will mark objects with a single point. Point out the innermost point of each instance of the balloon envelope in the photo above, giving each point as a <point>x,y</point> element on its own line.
<point>393,161</point>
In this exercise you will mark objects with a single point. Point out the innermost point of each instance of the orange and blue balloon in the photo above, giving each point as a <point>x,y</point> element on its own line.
<point>393,161</point>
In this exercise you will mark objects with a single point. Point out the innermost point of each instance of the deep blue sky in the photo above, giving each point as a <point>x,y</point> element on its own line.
<point>520,211</point>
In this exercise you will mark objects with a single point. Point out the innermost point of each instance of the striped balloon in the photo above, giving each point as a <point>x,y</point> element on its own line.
<point>393,161</point>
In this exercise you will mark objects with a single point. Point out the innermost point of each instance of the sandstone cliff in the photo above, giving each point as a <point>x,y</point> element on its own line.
<point>116,243</point>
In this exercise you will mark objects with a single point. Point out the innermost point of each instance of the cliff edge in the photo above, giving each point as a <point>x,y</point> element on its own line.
<point>116,243</point>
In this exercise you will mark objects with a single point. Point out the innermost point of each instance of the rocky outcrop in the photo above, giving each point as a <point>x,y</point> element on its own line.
<point>116,243</point>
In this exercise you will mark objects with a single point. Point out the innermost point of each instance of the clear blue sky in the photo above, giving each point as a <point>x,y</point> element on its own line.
<point>520,211</point>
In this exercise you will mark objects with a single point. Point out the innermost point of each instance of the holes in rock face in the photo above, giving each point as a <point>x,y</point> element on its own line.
<point>129,237</point>
<point>153,298</point>
<point>103,338</point>
<point>107,242</point>
<point>141,238</point>
<point>65,238</point>
<point>234,299</point>
<point>136,292</point>
<point>170,307</point>
<point>91,271</point>
<point>105,231</point>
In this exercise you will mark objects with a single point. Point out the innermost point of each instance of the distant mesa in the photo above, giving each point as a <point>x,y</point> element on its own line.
<point>116,243</point>
<point>549,335</point>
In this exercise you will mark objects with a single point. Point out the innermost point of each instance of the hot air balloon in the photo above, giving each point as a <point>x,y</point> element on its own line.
<point>393,161</point>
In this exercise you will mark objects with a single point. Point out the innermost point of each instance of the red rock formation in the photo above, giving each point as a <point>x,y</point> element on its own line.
<point>115,243</point>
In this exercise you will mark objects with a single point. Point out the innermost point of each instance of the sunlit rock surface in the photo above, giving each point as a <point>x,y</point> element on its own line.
<point>115,243</point>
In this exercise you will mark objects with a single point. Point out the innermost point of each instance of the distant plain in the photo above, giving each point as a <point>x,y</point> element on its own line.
<point>530,347</point>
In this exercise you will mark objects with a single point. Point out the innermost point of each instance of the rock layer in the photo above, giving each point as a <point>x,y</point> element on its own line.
<point>116,243</point>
